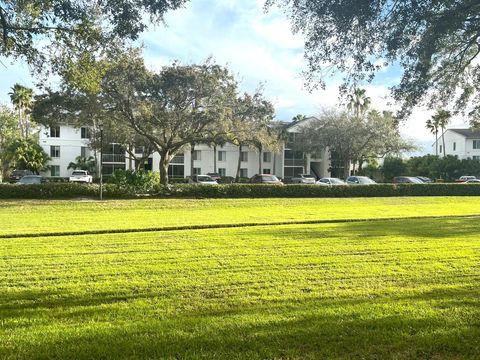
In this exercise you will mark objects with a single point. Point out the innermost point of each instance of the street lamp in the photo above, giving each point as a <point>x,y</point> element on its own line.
<point>101,161</point>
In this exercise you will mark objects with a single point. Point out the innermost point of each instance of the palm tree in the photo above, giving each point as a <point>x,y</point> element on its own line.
<point>442,118</point>
<point>84,163</point>
<point>358,102</point>
<point>22,99</point>
<point>432,125</point>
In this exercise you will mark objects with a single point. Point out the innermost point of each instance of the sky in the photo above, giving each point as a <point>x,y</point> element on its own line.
<point>260,48</point>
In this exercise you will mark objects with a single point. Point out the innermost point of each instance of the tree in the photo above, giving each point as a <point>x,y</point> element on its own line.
<point>393,166</point>
<point>83,163</point>
<point>26,154</point>
<point>172,108</point>
<point>8,133</point>
<point>350,138</point>
<point>22,99</point>
<point>358,102</point>
<point>435,43</point>
<point>432,125</point>
<point>442,118</point>
<point>69,32</point>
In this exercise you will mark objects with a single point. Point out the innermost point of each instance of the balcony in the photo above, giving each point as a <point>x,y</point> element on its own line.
<point>113,158</point>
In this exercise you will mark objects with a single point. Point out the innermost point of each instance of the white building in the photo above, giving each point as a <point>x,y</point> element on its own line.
<point>463,143</point>
<point>64,143</point>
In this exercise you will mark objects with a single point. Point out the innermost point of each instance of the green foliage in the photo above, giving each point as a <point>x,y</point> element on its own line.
<point>448,168</point>
<point>82,163</point>
<point>135,181</point>
<point>435,42</point>
<point>392,167</point>
<point>8,133</point>
<point>26,154</point>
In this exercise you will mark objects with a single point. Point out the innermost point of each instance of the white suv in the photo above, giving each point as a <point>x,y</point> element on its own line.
<point>81,176</point>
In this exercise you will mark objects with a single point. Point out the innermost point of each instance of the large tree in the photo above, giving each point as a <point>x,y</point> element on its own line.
<point>68,30</point>
<point>350,138</point>
<point>172,108</point>
<point>436,43</point>
<point>8,133</point>
<point>22,99</point>
<point>26,154</point>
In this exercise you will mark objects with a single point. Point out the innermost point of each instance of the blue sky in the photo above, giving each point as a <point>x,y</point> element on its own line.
<point>258,46</point>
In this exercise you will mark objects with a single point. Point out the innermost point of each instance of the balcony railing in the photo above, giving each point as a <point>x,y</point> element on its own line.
<point>113,158</point>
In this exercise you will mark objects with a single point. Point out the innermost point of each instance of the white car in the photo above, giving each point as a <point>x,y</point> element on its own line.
<point>303,179</point>
<point>203,180</point>
<point>331,182</point>
<point>81,176</point>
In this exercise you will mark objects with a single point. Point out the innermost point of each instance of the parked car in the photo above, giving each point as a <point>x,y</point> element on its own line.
<point>18,174</point>
<point>202,180</point>
<point>462,179</point>
<point>304,179</point>
<point>472,181</point>
<point>407,180</point>
<point>215,176</point>
<point>359,180</point>
<point>331,182</point>
<point>31,180</point>
<point>424,179</point>
<point>265,179</point>
<point>81,176</point>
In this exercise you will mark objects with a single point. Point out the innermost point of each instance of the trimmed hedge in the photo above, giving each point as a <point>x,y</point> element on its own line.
<point>111,191</point>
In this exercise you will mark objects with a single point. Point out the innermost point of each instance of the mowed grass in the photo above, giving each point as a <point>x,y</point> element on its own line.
<point>405,289</point>
<point>27,216</point>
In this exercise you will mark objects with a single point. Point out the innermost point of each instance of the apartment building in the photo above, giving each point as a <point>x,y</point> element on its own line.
<point>463,143</point>
<point>64,143</point>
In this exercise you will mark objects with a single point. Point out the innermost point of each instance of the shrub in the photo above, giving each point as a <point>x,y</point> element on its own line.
<point>134,181</point>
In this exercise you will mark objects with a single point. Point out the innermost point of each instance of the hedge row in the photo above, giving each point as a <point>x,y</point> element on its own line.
<point>72,190</point>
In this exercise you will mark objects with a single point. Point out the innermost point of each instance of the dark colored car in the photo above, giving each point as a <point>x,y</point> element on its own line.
<point>359,180</point>
<point>265,179</point>
<point>18,174</point>
<point>407,180</point>
<point>31,180</point>
<point>215,176</point>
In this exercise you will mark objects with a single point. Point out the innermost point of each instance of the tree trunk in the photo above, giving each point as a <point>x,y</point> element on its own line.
<point>354,166</point>
<point>164,162</point>
<point>305,163</point>
<point>237,176</point>
<point>260,170</point>
<point>346,169</point>
<point>443,140</point>
<point>215,159</point>
<point>192,151</point>
<point>436,142</point>
<point>274,168</point>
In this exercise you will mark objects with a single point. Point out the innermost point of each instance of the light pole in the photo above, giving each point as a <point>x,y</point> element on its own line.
<point>101,161</point>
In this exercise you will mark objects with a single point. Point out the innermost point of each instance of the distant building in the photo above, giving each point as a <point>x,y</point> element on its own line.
<point>463,143</point>
<point>64,143</point>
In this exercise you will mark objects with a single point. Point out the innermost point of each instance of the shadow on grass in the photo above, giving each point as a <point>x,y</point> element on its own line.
<point>443,323</point>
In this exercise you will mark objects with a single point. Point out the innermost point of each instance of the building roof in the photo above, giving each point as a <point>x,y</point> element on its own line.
<point>468,133</point>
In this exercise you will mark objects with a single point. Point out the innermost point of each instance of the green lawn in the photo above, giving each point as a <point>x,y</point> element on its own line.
<point>402,289</point>
<point>26,216</point>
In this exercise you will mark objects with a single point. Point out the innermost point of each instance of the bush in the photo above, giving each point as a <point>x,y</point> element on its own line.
<point>113,191</point>
<point>134,182</point>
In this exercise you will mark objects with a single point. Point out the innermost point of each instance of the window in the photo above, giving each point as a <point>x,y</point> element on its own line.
<point>55,131</point>
<point>267,171</point>
<point>197,171</point>
<point>267,157</point>
<point>222,171</point>
<point>440,151</point>
<point>454,146</point>
<point>222,156</point>
<point>244,156</point>
<point>85,133</point>
<point>197,155</point>
<point>178,159</point>
<point>176,171</point>
<point>84,152</point>
<point>476,144</point>
<point>244,173</point>
<point>476,158</point>
<point>55,170</point>
<point>55,151</point>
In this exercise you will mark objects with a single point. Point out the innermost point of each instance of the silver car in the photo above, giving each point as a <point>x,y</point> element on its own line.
<point>303,179</point>
<point>331,182</point>
<point>360,180</point>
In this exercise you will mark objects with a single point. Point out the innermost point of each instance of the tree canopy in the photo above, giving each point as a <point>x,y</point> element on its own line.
<point>436,43</point>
